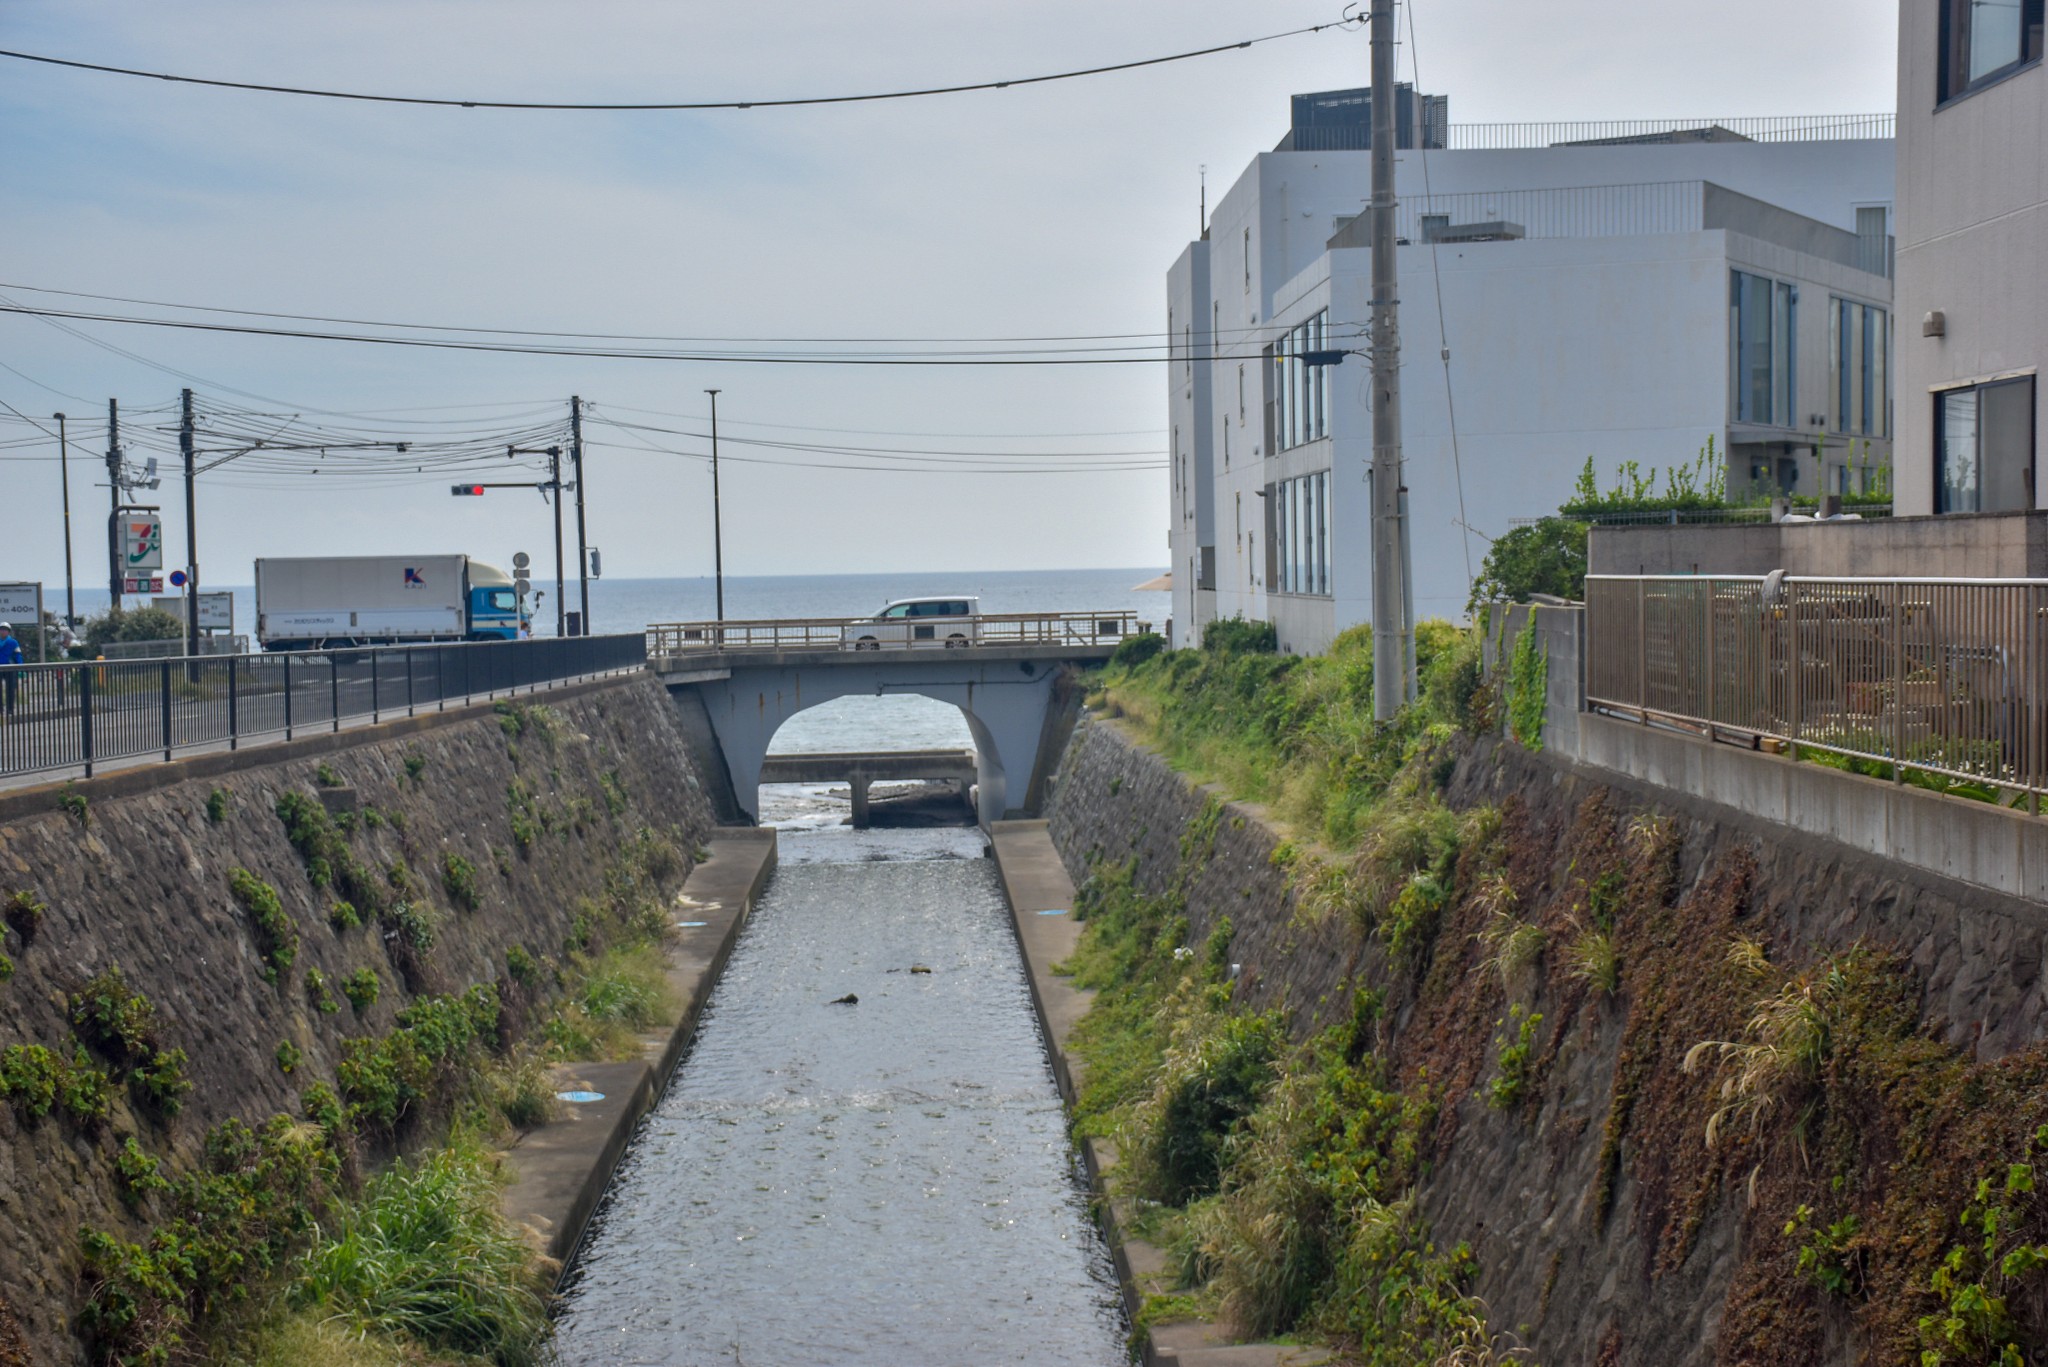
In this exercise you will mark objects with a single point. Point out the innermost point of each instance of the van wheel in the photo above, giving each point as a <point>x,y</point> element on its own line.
<point>867,643</point>
<point>956,642</point>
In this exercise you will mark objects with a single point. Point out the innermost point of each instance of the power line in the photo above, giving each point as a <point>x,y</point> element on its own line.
<point>652,106</point>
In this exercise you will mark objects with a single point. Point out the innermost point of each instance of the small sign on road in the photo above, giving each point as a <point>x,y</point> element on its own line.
<point>22,604</point>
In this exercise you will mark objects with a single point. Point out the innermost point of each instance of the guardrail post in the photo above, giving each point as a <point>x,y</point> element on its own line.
<point>287,658</point>
<point>334,689</point>
<point>375,716</point>
<point>85,674</point>
<point>408,682</point>
<point>1898,682</point>
<point>166,669</point>
<point>1642,651</point>
<point>1795,654</point>
<point>234,718</point>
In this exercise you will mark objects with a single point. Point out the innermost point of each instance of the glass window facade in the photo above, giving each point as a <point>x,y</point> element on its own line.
<point>1984,447</point>
<point>1763,333</point>
<point>1301,392</point>
<point>1859,357</point>
<point>1299,537</point>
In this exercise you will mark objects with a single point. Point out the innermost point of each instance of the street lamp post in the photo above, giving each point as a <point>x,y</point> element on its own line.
<point>64,466</point>
<point>717,535</point>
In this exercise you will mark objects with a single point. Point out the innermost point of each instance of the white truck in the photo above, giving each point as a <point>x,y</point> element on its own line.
<point>315,602</point>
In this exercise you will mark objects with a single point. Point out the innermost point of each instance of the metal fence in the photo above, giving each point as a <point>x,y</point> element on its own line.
<point>78,716</point>
<point>1945,676</point>
<point>1767,128</point>
<point>838,633</point>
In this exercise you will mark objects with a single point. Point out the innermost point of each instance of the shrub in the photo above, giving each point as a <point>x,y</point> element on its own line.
<point>138,1173</point>
<point>317,995</point>
<point>1236,636</point>
<point>415,766</point>
<point>161,1083</point>
<point>458,880</point>
<point>426,1254</point>
<point>114,1018</point>
<point>1548,556</point>
<point>218,806</point>
<point>1528,686</point>
<point>1135,650</point>
<point>525,1093</point>
<point>289,1057</point>
<point>6,968</point>
<point>521,965</point>
<point>24,912</point>
<point>361,988</point>
<point>384,1079</point>
<point>1517,1067</point>
<point>1594,959</point>
<point>277,939</point>
<point>84,1091</point>
<point>1512,945</point>
<point>324,775</point>
<point>342,916</point>
<point>1211,1079</point>
<point>29,1075</point>
<point>76,805</point>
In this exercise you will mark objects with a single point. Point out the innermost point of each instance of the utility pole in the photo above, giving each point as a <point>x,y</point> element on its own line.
<point>555,479</point>
<point>191,526</point>
<point>64,466</point>
<point>1393,680</point>
<point>114,508</point>
<point>717,537</point>
<point>582,547</point>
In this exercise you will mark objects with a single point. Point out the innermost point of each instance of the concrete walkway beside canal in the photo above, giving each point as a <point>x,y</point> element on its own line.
<point>559,1171</point>
<point>1042,908</point>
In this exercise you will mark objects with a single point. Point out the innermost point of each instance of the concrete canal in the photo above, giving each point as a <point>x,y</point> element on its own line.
<point>886,1181</point>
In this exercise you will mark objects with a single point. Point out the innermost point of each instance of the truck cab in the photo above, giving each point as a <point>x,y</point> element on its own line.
<point>493,607</point>
<point>913,623</point>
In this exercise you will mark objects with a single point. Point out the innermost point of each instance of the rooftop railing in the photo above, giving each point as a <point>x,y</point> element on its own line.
<point>1596,132</point>
<point>1944,679</point>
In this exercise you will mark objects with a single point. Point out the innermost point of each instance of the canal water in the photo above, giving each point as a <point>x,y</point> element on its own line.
<point>884,1182</point>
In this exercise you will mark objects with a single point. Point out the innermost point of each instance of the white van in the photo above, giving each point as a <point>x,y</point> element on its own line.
<point>916,622</point>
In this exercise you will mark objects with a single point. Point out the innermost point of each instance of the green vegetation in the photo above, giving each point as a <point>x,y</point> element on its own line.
<point>120,1023</point>
<point>289,1056</point>
<point>1510,1086</point>
<point>219,806</point>
<point>458,880</point>
<point>415,766</point>
<point>342,916</point>
<point>1526,686</point>
<point>317,994</point>
<point>24,912</point>
<point>29,1075</point>
<point>277,938</point>
<point>1135,650</point>
<point>1546,556</point>
<point>1233,636</point>
<point>139,1176</point>
<point>324,775</point>
<point>361,988</point>
<point>435,1041</point>
<point>76,805</point>
<point>1697,484</point>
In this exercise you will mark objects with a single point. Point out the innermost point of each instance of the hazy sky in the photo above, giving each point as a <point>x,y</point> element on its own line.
<point>1043,211</point>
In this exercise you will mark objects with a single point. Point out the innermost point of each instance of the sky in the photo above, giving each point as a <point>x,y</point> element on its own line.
<point>1041,211</point>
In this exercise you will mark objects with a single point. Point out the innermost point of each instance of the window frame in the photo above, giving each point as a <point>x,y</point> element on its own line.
<point>1952,55</point>
<point>2029,474</point>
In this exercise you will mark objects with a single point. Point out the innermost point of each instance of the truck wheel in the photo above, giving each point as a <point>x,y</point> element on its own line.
<point>867,643</point>
<point>956,642</point>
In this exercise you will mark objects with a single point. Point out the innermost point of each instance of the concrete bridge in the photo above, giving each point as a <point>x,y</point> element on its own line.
<point>1012,677</point>
<point>860,770</point>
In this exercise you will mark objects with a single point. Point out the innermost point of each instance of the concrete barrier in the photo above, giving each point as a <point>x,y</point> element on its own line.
<point>559,1171</point>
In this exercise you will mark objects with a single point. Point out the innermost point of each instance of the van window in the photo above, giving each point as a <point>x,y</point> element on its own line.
<point>900,610</point>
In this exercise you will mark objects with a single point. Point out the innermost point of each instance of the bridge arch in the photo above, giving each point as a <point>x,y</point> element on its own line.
<point>1007,705</point>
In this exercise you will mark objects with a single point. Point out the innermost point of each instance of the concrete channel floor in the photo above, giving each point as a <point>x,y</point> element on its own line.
<point>1042,909</point>
<point>559,1170</point>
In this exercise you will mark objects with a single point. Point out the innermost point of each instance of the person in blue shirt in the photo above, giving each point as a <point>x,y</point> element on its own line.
<point>10,654</point>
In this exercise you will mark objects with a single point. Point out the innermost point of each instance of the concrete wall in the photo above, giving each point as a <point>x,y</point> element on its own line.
<point>1973,243</point>
<point>1980,546</point>
<point>144,887</point>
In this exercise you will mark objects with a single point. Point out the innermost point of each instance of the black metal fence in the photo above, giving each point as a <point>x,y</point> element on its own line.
<point>76,716</point>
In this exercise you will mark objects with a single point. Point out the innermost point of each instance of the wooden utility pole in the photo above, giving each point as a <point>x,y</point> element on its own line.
<point>114,505</point>
<point>185,446</point>
<point>1393,680</point>
<point>582,546</point>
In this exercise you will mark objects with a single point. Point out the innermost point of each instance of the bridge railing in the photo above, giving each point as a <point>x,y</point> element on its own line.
<point>56,717</point>
<point>837,633</point>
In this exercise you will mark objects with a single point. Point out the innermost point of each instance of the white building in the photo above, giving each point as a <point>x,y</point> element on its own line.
<point>1599,298</point>
<point>1973,255</point>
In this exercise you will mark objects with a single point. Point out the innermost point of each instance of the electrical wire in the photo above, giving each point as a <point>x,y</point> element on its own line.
<point>675,105</point>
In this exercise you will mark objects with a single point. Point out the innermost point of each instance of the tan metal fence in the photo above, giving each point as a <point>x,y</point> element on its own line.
<point>1944,676</point>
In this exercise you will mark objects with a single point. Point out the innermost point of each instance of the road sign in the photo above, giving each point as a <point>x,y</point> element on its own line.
<point>216,610</point>
<point>142,542</point>
<point>520,560</point>
<point>22,604</point>
<point>177,579</point>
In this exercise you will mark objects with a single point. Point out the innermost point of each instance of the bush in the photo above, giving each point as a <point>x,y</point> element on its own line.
<point>1135,650</point>
<point>361,987</point>
<point>1548,556</point>
<point>114,1018</point>
<point>24,911</point>
<point>133,624</point>
<point>277,939</point>
<point>1236,636</point>
<point>218,806</point>
<point>1208,1083</point>
<point>29,1075</point>
<point>458,880</point>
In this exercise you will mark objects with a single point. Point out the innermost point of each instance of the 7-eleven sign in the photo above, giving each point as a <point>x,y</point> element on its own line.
<point>142,541</point>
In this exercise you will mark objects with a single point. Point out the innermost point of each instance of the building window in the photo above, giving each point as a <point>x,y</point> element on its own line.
<point>1298,537</point>
<point>1983,40</point>
<point>1984,447</point>
<point>1763,328</point>
<point>1300,390</point>
<point>1859,355</point>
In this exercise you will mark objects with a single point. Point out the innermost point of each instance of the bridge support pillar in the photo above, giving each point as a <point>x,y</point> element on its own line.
<point>859,788</point>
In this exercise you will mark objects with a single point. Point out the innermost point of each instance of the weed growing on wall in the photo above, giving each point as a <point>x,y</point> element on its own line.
<point>361,988</point>
<point>219,806</point>
<point>1527,686</point>
<point>277,938</point>
<point>458,880</point>
<point>24,911</point>
<point>76,805</point>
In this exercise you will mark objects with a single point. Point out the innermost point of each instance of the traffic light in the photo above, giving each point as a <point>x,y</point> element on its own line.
<point>466,489</point>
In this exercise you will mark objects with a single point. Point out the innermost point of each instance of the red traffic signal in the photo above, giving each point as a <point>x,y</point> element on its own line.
<point>461,489</point>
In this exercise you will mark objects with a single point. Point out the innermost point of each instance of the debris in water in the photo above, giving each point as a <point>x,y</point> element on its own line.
<point>919,968</point>
<point>848,1000</point>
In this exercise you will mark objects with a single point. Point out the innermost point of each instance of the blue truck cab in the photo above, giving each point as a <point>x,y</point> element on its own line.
<point>493,607</point>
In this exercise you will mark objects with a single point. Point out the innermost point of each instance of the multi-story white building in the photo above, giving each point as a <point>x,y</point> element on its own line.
<point>1973,255</point>
<point>1624,293</point>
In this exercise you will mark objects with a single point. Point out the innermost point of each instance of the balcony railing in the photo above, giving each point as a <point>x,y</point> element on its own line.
<point>1946,677</point>
<point>1772,128</point>
<point>924,633</point>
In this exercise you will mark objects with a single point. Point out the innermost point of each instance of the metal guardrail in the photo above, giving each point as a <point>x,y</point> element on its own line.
<point>840,633</point>
<point>1676,517</point>
<point>1945,676</point>
<point>77,716</point>
<point>1767,128</point>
